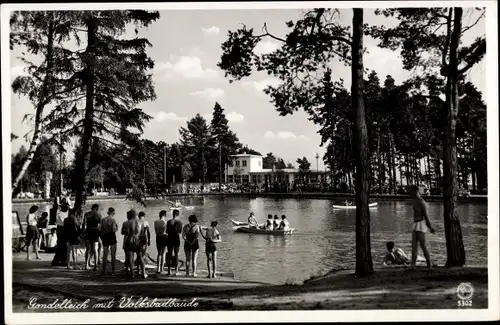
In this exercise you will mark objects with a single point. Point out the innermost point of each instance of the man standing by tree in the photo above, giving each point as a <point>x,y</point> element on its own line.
<point>421,226</point>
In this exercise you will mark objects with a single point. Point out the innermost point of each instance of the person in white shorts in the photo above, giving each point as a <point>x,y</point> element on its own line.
<point>421,226</point>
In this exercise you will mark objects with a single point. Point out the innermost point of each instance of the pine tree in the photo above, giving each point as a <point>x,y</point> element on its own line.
<point>114,79</point>
<point>438,32</point>
<point>225,143</point>
<point>307,50</point>
<point>197,143</point>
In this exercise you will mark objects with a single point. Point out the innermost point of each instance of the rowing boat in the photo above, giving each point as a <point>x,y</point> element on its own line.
<point>249,230</point>
<point>239,223</point>
<point>371,206</point>
<point>182,208</point>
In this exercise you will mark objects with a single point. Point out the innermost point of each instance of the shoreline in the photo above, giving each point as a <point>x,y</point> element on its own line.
<point>298,196</point>
<point>386,288</point>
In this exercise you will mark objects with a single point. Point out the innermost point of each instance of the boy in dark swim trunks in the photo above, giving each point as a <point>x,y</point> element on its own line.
<point>72,230</point>
<point>161,240</point>
<point>107,230</point>
<point>174,229</point>
<point>91,222</point>
<point>144,236</point>
<point>212,237</point>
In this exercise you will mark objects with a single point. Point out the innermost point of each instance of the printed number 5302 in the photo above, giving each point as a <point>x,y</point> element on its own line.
<point>465,303</point>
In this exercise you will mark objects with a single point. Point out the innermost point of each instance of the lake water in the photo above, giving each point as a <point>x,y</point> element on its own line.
<point>324,238</point>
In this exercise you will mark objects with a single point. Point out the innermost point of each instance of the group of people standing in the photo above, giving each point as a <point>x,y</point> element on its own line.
<point>271,223</point>
<point>96,233</point>
<point>168,242</point>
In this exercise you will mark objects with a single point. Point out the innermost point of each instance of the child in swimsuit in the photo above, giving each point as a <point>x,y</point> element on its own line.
<point>212,237</point>
<point>107,229</point>
<point>144,235</point>
<point>396,256</point>
<point>190,235</point>
<point>161,240</point>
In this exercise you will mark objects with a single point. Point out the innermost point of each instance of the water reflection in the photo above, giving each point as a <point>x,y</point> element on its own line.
<point>324,237</point>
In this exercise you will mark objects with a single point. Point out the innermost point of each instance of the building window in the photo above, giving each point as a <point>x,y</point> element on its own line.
<point>259,178</point>
<point>229,178</point>
<point>237,163</point>
<point>244,163</point>
<point>245,179</point>
<point>254,178</point>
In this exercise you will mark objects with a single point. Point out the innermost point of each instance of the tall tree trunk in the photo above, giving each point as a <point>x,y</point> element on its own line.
<point>453,232</point>
<point>416,163</point>
<point>390,162</point>
<point>44,100</point>
<point>429,172</point>
<point>473,164</point>
<point>439,175</point>
<point>83,162</point>
<point>379,163</point>
<point>394,164</point>
<point>364,264</point>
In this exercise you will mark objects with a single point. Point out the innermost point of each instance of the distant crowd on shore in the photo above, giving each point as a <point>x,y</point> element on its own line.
<point>93,234</point>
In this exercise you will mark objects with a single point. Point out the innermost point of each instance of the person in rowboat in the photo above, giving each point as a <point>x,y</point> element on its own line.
<point>421,226</point>
<point>284,225</point>
<point>252,222</point>
<point>269,223</point>
<point>276,222</point>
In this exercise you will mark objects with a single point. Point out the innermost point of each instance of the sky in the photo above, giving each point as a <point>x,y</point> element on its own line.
<point>186,48</point>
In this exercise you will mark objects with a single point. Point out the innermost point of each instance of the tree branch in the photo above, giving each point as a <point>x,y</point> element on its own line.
<point>268,34</point>
<point>474,24</point>
<point>448,38</point>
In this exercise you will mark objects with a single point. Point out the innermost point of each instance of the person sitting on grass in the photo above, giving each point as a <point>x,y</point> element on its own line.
<point>396,256</point>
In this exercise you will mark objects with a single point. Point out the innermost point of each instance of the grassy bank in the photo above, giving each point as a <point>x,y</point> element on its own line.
<point>388,288</point>
<point>385,289</point>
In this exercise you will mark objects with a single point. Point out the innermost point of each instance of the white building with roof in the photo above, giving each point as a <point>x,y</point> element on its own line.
<point>248,169</point>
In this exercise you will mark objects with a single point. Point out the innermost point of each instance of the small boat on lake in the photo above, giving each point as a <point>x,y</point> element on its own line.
<point>182,208</point>
<point>249,230</point>
<point>239,223</point>
<point>371,206</point>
